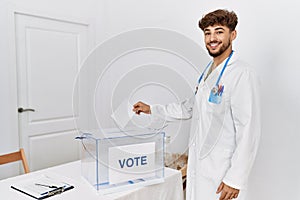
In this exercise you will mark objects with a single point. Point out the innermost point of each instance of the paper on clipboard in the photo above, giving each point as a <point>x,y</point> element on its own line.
<point>42,186</point>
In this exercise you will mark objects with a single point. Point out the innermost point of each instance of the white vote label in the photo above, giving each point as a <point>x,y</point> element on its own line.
<point>131,162</point>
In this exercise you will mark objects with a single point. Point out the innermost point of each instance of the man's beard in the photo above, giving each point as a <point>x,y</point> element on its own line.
<point>222,49</point>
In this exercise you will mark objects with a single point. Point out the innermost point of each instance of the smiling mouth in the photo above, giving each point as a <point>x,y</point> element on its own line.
<point>214,45</point>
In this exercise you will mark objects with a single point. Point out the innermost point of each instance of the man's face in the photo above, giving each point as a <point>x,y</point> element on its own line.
<point>218,39</point>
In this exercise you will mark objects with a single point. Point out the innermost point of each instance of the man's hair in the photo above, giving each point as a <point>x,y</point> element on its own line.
<point>219,17</point>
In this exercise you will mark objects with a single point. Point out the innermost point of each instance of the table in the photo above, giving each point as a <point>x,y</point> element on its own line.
<point>170,189</point>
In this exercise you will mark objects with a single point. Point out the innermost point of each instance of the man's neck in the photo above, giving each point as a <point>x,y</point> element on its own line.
<point>219,59</point>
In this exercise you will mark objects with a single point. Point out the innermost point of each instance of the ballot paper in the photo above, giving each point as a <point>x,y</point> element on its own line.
<point>42,186</point>
<point>123,114</point>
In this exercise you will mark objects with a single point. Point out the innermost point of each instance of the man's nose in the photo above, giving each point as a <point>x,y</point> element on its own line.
<point>213,37</point>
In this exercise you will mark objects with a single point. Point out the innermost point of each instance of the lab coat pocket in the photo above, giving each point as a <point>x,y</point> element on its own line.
<point>216,164</point>
<point>217,109</point>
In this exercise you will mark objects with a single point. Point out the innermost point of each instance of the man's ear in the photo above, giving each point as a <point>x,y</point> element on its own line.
<point>233,35</point>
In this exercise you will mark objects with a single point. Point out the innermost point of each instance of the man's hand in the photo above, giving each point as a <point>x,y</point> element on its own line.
<point>141,107</point>
<point>227,192</point>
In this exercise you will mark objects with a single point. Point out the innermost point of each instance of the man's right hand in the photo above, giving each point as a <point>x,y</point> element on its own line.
<point>141,107</point>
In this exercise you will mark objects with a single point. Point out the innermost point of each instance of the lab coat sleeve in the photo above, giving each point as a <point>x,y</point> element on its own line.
<point>173,111</point>
<point>245,108</point>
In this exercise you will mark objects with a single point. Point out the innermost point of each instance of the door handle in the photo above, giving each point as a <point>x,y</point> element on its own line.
<point>20,110</point>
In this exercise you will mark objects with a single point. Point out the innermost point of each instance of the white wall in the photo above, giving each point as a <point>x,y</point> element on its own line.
<point>268,38</point>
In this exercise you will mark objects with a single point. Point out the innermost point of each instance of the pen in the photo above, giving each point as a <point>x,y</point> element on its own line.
<point>49,186</point>
<point>219,88</point>
<point>222,89</point>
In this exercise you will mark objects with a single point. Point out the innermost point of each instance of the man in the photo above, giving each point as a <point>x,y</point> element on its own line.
<point>225,113</point>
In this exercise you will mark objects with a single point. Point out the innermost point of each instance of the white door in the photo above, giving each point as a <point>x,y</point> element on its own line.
<point>49,52</point>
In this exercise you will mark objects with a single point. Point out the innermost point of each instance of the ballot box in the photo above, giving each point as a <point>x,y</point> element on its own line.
<point>114,160</point>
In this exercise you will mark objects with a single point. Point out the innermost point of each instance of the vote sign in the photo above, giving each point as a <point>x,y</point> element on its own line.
<point>131,162</point>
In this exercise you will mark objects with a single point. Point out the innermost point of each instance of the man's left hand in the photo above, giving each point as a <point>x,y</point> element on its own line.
<point>227,192</point>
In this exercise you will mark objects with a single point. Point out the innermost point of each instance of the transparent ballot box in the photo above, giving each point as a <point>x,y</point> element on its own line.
<point>113,161</point>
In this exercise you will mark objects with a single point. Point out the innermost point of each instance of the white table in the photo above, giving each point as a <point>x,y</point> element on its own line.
<point>170,189</point>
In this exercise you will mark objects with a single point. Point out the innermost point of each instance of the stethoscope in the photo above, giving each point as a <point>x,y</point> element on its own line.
<point>217,89</point>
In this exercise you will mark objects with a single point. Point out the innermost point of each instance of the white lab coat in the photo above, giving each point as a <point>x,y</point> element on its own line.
<point>224,137</point>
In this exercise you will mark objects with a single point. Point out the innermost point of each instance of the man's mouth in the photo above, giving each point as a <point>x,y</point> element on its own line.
<point>214,45</point>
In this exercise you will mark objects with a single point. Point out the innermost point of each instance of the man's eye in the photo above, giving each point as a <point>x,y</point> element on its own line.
<point>206,33</point>
<point>219,32</point>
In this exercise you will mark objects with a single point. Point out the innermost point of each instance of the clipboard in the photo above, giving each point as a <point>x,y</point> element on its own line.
<point>43,186</point>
